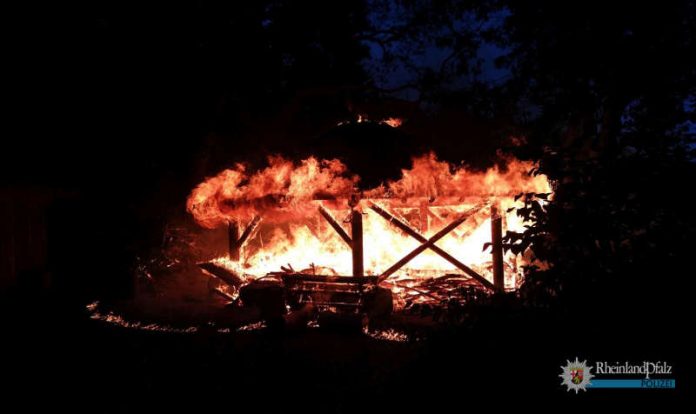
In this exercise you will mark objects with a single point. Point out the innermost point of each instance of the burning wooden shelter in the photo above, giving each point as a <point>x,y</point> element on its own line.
<point>403,238</point>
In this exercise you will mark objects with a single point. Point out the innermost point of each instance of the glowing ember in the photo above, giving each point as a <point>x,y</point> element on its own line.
<point>392,122</point>
<point>114,319</point>
<point>390,335</point>
<point>252,327</point>
<point>432,193</point>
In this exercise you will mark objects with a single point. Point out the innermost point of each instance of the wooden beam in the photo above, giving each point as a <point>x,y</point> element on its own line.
<point>408,230</point>
<point>248,230</point>
<point>356,226</point>
<point>224,295</point>
<point>426,245</point>
<point>424,216</point>
<point>332,221</point>
<point>233,240</point>
<point>497,249</point>
<point>291,278</point>
<point>223,274</point>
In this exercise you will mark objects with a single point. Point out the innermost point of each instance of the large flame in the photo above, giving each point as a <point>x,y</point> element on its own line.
<point>280,191</point>
<point>429,195</point>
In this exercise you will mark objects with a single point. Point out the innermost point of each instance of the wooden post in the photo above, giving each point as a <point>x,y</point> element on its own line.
<point>356,226</point>
<point>497,249</point>
<point>233,239</point>
<point>424,212</point>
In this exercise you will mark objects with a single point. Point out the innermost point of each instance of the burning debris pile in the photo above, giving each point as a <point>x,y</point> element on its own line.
<point>415,241</point>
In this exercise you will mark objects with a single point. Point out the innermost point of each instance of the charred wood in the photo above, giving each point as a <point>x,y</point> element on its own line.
<point>413,233</point>
<point>336,226</point>
<point>222,273</point>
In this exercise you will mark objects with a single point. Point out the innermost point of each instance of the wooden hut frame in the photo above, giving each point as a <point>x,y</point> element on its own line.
<point>355,241</point>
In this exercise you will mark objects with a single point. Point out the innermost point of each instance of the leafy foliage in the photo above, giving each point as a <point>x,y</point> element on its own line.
<point>603,96</point>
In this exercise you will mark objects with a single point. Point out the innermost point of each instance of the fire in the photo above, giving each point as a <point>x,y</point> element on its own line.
<point>115,319</point>
<point>281,191</point>
<point>286,196</point>
<point>392,122</point>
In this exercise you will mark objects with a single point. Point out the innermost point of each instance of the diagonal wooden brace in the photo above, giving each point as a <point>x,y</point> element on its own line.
<point>413,233</point>
<point>336,226</point>
<point>235,240</point>
<point>248,230</point>
<point>418,250</point>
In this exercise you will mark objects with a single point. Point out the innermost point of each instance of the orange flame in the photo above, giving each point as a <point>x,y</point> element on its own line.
<point>279,192</point>
<point>392,122</point>
<point>428,196</point>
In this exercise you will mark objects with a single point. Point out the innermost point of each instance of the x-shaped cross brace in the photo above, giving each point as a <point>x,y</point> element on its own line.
<point>429,244</point>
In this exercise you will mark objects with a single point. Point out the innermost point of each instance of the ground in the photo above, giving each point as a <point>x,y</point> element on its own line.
<point>60,359</point>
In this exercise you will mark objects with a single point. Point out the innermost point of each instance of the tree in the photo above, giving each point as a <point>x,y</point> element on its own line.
<point>603,95</point>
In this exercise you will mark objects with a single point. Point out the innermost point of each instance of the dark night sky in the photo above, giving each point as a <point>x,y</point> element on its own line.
<point>432,57</point>
<point>87,95</point>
